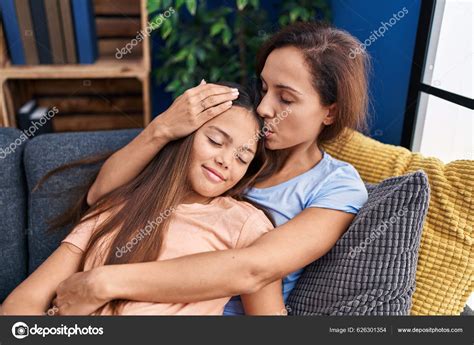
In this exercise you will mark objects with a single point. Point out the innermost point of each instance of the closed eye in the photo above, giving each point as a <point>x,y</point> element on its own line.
<point>214,142</point>
<point>242,161</point>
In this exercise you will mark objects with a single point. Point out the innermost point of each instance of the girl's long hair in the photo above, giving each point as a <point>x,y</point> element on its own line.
<point>149,197</point>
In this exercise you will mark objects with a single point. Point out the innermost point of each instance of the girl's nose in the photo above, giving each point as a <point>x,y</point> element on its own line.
<point>222,161</point>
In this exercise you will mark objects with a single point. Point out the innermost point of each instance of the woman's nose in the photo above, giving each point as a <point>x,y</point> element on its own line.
<point>264,109</point>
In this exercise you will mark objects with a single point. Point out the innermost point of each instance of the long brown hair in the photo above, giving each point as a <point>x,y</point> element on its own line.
<point>155,192</point>
<point>339,75</point>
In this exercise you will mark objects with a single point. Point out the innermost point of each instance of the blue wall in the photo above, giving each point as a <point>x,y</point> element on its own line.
<point>391,58</point>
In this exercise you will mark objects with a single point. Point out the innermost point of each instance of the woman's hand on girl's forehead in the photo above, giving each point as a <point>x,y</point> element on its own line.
<point>193,108</point>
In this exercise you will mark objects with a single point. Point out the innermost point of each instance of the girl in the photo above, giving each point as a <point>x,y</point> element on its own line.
<point>187,200</point>
<point>307,68</point>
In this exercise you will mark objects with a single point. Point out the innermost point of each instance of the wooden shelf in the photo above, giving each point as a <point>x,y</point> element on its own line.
<point>113,93</point>
<point>90,122</point>
<point>105,67</point>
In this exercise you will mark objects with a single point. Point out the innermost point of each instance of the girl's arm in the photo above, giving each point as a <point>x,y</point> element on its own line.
<point>198,277</point>
<point>187,113</point>
<point>266,301</point>
<point>34,295</point>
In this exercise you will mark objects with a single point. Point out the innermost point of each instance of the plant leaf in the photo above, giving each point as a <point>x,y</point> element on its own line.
<point>153,5</point>
<point>255,3</point>
<point>191,6</point>
<point>173,86</point>
<point>181,55</point>
<point>178,4</point>
<point>241,4</point>
<point>226,36</point>
<point>216,28</point>
<point>166,29</point>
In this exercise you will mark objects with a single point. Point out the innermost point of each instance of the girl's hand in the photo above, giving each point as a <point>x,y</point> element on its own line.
<point>80,294</point>
<point>192,109</point>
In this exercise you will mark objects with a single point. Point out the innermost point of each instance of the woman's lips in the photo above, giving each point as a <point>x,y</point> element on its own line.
<point>268,132</point>
<point>212,175</point>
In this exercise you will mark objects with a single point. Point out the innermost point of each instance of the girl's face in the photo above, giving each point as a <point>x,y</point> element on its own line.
<point>290,105</point>
<point>222,151</point>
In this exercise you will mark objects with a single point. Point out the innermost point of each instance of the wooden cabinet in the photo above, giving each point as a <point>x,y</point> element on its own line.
<point>109,94</point>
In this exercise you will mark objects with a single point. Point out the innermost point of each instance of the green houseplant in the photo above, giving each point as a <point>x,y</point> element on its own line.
<point>219,42</point>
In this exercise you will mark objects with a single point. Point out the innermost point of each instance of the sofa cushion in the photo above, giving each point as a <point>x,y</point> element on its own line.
<point>47,152</point>
<point>13,255</point>
<point>446,261</point>
<point>371,269</point>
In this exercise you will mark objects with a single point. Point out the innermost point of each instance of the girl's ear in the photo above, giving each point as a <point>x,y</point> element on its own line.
<point>331,115</point>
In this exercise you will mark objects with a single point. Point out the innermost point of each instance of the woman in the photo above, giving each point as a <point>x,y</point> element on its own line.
<point>187,200</point>
<point>312,91</point>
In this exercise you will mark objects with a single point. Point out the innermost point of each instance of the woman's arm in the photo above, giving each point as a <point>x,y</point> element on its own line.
<point>295,244</point>
<point>266,301</point>
<point>187,113</point>
<point>34,295</point>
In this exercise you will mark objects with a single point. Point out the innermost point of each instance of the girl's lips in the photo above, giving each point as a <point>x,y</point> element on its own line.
<point>212,175</point>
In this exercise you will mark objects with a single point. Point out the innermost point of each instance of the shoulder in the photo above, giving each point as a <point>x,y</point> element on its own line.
<point>337,183</point>
<point>253,222</point>
<point>333,169</point>
<point>244,208</point>
<point>245,212</point>
<point>331,172</point>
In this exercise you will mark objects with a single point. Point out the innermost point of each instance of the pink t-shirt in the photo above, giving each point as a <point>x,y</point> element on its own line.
<point>224,223</point>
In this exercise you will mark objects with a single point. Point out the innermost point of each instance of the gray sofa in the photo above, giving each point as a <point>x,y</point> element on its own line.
<point>24,242</point>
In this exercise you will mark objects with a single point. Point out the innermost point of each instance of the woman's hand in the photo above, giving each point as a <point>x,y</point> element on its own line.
<point>187,113</point>
<point>192,109</point>
<point>81,294</point>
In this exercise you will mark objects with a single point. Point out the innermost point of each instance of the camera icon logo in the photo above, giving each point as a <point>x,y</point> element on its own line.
<point>20,330</point>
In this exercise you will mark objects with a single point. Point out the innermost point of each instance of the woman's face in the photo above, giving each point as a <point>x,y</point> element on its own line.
<point>290,106</point>
<point>222,151</point>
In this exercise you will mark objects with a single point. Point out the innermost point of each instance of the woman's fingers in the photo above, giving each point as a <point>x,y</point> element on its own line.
<point>208,90</point>
<point>203,91</point>
<point>207,96</point>
<point>209,113</point>
<point>214,100</point>
<point>185,115</point>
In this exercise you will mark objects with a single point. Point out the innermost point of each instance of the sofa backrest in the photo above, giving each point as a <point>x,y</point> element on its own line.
<point>13,254</point>
<point>47,152</point>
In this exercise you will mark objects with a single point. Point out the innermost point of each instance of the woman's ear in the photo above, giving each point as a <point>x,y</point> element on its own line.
<point>331,115</point>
